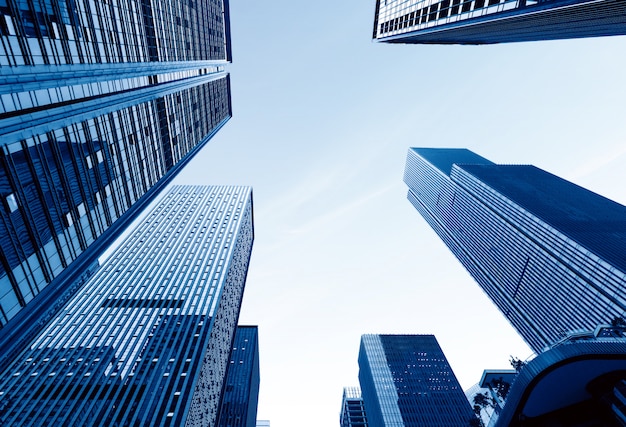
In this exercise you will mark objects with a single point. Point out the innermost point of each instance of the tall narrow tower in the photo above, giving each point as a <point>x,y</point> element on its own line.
<point>241,388</point>
<point>147,340</point>
<point>549,254</point>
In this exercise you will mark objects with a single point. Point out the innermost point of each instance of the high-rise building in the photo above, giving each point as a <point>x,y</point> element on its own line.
<point>352,408</point>
<point>101,104</point>
<point>549,254</point>
<point>406,381</point>
<point>495,21</point>
<point>241,392</point>
<point>147,340</point>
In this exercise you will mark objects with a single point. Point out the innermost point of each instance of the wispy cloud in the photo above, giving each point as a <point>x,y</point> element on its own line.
<point>599,161</point>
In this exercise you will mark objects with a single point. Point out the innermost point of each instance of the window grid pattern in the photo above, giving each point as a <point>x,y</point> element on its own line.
<point>406,381</point>
<point>352,409</point>
<point>44,32</point>
<point>151,332</point>
<point>495,21</point>
<point>241,392</point>
<point>537,271</point>
<point>402,16</point>
<point>64,188</point>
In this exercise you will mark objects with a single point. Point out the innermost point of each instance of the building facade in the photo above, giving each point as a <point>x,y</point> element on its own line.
<point>406,381</point>
<point>147,340</point>
<point>241,393</point>
<point>352,408</point>
<point>101,104</point>
<point>495,21</point>
<point>549,254</point>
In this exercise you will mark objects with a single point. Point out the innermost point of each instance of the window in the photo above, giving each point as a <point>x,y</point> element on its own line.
<point>12,202</point>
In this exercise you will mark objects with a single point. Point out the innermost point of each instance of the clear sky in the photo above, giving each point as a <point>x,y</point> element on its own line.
<point>322,120</point>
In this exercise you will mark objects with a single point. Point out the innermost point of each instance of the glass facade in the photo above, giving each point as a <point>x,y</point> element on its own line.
<point>406,381</point>
<point>495,21</point>
<point>101,104</point>
<point>147,340</point>
<point>241,393</point>
<point>547,252</point>
<point>352,408</point>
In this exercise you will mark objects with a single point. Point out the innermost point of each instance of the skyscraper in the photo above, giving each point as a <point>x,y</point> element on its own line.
<point>241,392</point>
<point>147,340</point>
<point>406,381</point>
<point>495,21</point>
<point>549,254</point>
<point>101,104</point>
<point>352,408</point>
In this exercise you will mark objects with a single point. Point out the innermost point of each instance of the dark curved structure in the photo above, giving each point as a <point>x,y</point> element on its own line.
<point>573,384</point>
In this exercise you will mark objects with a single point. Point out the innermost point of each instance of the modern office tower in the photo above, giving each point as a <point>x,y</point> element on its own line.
<point>101,104</point>
<point>548,253</point>
<point>241,392</point>
<point>406,381</point>
<point>146,341</point>
<point>495,21</point>
<point>352,408</point>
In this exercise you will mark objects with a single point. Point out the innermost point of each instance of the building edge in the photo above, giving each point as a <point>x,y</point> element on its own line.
<point>33,317</point>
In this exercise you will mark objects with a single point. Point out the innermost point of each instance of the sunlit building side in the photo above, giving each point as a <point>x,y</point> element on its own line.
<point>147,340</point>
<point>101,104</point>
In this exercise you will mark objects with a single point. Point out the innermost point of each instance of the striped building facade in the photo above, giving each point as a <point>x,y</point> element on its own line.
<point>549,254</point>
<point>406,381</point>
<point>147,340</point>
<point>101,104</point>
<point>495,21</point>
<point>352,408</point>
<point>241,392</point>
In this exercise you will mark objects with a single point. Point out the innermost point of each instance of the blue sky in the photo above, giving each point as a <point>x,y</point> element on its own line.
<point>322,120</point>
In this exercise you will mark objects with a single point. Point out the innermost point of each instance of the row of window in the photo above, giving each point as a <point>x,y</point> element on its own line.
<point>434,12</point>
<point>124,353</point>
<point>48,32</point>
<point>68,186</point>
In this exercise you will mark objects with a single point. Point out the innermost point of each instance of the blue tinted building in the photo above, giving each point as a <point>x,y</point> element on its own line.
<point>241,393</point>
<point>549,254</point>
<point>406,381</point>
<point>147,339</point>
<point>495,21</point>
<point>352,408</point>
<point>101,104</point>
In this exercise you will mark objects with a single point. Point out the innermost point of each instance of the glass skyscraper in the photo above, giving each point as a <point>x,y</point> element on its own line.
<point>549,254</point>
<point>147,340</point>
<point>241,392</point>
<point>352,408</point>
<point>495,21</point>
<point>101,104</point>
<point>406,381</point>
